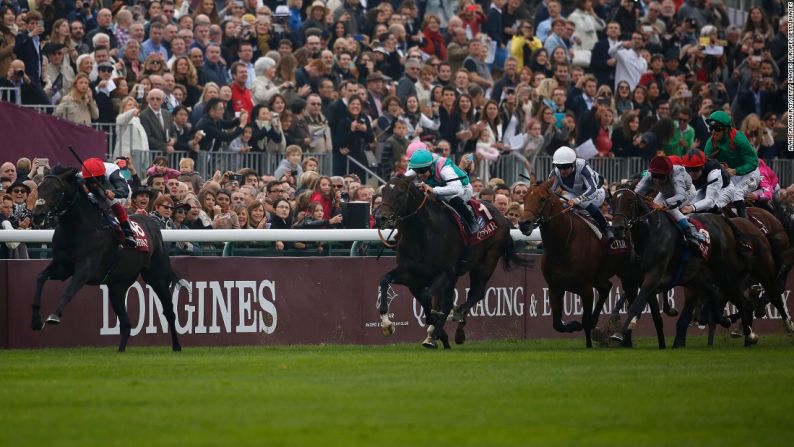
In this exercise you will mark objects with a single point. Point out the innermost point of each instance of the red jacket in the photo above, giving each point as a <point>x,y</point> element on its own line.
<point>241,99</point>
<point>434,44</point>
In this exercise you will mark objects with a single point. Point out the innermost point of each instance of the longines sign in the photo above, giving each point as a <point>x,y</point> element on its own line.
<point>249,301</point>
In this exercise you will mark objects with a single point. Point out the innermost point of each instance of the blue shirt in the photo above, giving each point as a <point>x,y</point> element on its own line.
<point>148,47</point>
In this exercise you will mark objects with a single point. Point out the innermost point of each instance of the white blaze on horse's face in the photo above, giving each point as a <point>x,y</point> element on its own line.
<point>40,202</point>
<point>391,186</point>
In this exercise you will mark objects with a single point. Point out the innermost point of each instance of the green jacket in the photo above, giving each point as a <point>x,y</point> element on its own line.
<point>740,155</point>
<point>671,146</point>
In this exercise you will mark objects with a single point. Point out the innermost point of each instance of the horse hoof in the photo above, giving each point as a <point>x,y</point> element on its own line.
<point>177,348</point>
<point>460,336</point>
<point>37,324</point>
<point>671,312</point>
<point>616,338</point>
<point>633,324</point>
<point>574,326</point>
<point>789,325</point>
<point>429,344</point>
<point>738,333</point>
<point>753,338</point>
<point>387,330</point>
<point>53,319</point>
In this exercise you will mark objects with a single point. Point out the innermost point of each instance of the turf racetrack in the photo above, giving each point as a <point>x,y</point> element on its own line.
<point>502,393</point>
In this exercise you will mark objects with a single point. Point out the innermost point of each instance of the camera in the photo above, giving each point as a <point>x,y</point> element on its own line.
<point>19,73</point>
<point>294,173</point>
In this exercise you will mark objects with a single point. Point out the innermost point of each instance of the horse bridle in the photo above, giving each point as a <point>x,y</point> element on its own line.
<point>54,211</point>
<point>541,219</point>
<point>630,222</point>
<point>394,219</point>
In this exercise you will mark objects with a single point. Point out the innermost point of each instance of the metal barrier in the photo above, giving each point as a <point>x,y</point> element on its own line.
<point>369,174</point>
<point>7,93</point>
<point>209,162</point>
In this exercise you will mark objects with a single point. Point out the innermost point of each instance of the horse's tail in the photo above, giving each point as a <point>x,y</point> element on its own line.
<point>511,258</point>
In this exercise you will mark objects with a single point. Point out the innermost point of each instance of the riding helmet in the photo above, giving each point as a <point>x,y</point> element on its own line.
<point>660,165</point>
<point>694,158</point>
<point>720,117</point>
<point>413,147</point>
<point>420,159</point>
<point>564,156</point>
<point>93,167</point>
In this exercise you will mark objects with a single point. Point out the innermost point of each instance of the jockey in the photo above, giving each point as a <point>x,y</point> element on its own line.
<point>446,180</point>
<point>581,185</point>
<point>768,187</point>
<point>731,148</point>
<point>675,190</point>
<point>713,188</point>
<point>104,181</point>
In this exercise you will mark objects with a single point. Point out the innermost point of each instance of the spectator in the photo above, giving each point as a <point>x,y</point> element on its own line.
<point>213,125</point>
<point>30,92</point>
<point>629,65</point>
<point>79,105</point>
<point>162,211</point>
<point>157,122</point>
<point>224,217</point>
<point>131,134</point>
<point>291,164</point>
<point>623,138</point>
<point>27,47</point>
<point>281,220</point>
<point>8,31</point>
<point>257,217</point>
<point>501,202</point>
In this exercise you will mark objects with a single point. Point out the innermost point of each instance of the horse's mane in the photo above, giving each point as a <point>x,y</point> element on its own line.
<point>64,171</point>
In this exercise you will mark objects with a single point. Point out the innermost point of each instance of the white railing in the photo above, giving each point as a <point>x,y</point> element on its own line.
<point>45,236</point>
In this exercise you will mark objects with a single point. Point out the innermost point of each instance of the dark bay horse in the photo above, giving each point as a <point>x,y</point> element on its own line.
<point>738,250</point>
<point>428,252</point>
<point>85,248</point>
<point>577,261</point>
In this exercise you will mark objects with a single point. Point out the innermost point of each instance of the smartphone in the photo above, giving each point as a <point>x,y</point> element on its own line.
<point>647,29</point>
<point>358,37</point>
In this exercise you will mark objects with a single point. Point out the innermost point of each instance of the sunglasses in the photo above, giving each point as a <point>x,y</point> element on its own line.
<point>156,62</point>
<point>717,128</point>
<point>693,169</point>
<point>107,69</point>
<point>565,166</point>
<point>168,207</point>
<point>19,190</point>
<point>339,186</point>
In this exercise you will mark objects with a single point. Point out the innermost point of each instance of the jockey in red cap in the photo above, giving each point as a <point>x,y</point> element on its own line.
<point>105,182</point>
<point>675,190</point>
<point>713,188</point>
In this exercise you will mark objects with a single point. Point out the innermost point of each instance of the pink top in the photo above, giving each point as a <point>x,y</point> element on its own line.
<point>766,187</point>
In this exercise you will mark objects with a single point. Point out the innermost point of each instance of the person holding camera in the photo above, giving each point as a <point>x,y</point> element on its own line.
<point>30,93</point>
<point>214,128</point>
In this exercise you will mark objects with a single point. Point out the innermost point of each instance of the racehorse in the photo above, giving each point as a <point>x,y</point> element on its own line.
<point>737,249</point>
<point>85,248</point>
<point>428,250</point>
<point>576,260</point>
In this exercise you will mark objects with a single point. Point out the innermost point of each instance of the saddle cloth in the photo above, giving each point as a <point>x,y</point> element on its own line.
<point>485,222</point>
<point>614,246</point>
<point>141,241</point>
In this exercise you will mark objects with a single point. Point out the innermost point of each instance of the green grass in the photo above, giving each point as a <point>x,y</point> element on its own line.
<point>544,393</point>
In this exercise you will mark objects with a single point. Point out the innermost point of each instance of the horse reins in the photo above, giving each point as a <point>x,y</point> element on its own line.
<point>54,210</point>
<point>631,221</point>
<point>398,219</point>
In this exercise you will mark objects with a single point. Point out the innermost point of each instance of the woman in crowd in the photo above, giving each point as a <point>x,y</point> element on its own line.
<point>587,23</point>
<point>757,23</point>
<point>63,35</point>
<point>641,104</point>
<point>328,196</point>
<point>8,32</point>
<point>355,135</point>
<point>208,8</point>
<point>85,64</point>
<point>468,128</point>
<point>225,218</point>
<point>257,217</point>
<point>154,65</point>
<point>78,105</point>
<point>242,215</point>
<point>623,102</point>
<point>267,135</point>
<point>281,220</point>
<point>434,43</point>
<point>131,134</point>
<point>211,90</point>
<point>539,63</point>
<point>162,211</point>
<point>185,74</point>
<point>264,85</point>
<point>623,137</point>
<point>524,43</point>
<point>181,221</point>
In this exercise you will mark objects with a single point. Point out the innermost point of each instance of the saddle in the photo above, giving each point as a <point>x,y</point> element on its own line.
<point>141,241</point>
<point>486,223</point>
<point>614,246</point>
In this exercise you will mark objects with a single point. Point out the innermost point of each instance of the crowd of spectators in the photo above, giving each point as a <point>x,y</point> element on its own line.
<point>500,79</point>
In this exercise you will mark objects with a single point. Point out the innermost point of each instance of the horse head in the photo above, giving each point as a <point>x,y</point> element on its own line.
<point>57,192</point>
<point>401,199</point>
<point>540,202</point>
<point>628,207</point>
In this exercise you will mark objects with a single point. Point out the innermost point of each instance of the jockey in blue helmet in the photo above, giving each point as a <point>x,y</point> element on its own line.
<point>444,179</point>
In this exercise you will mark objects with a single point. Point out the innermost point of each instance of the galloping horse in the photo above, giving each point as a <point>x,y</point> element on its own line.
<point>737,249</point>
<point>576,260</point>
<point>85,248</point>
<point>428,253</point>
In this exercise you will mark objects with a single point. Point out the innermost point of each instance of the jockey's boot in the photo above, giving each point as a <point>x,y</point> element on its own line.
<point>465,213</point>
<point>603,225</point>
<point>741,208</point>
<point>129,235</point>
<point>690,232</point>
<point>124,223</point>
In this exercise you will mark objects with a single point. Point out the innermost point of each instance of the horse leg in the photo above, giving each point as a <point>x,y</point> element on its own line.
<point>603,292</point>
<point>478,279</point>
<point>440,307</point>
<point>117,292</point>
<point>162,289</point>
<point>658,324</point>
<point>383,303</point>
<point>587,315</point>
<point>666,308</point>
<point>78,280</point>
<point>684,318</point>
<point>556,296</point>
<point>647,291</point>
<point>42,278</point>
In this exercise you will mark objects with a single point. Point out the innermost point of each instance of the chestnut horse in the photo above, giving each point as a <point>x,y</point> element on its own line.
<point>576,260</point>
